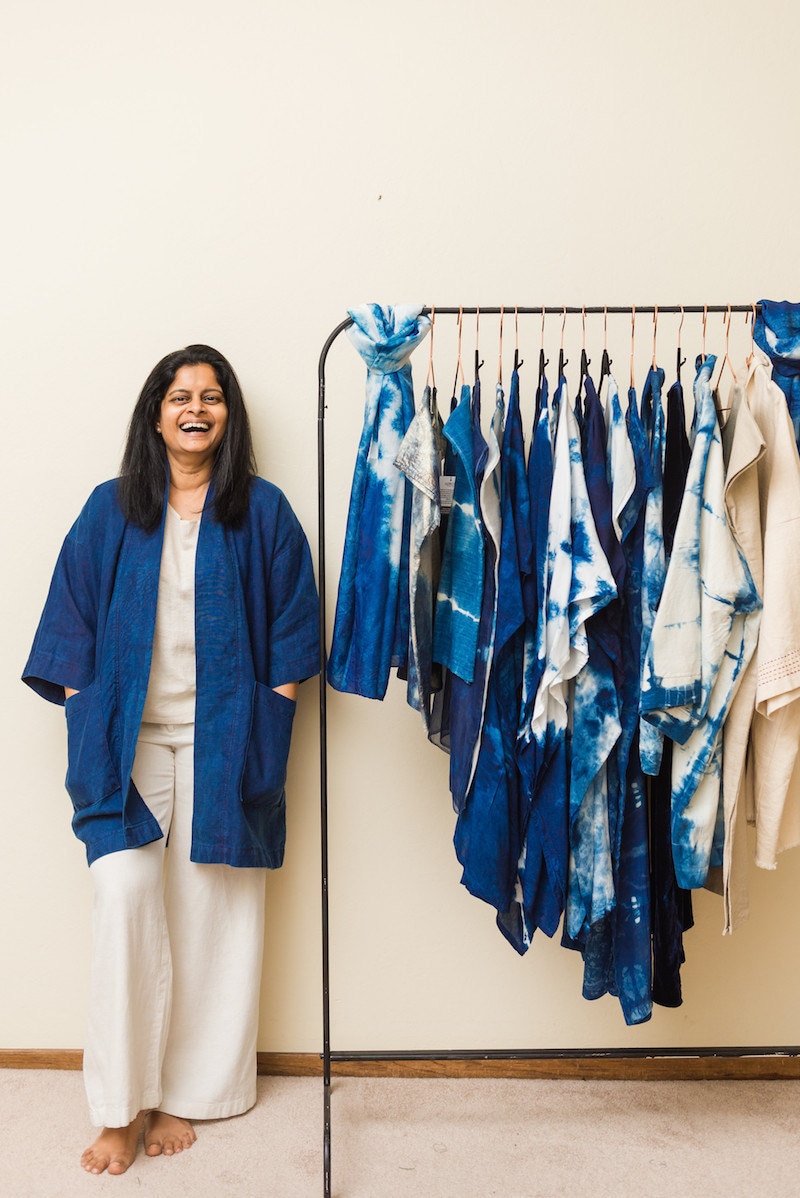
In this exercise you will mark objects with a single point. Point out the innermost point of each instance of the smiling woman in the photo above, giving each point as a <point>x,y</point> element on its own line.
<point>193,420</point>
<point>181,616</point>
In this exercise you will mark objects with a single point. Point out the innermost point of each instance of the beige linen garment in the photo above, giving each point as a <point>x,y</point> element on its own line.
<point>762,498</point>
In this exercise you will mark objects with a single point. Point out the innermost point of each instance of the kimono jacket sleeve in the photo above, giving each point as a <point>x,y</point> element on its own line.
<point>65,648</point>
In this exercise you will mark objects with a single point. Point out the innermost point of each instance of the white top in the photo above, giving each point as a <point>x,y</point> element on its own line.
<point>171,687</point>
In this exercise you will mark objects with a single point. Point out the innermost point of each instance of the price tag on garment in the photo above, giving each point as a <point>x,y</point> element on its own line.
<point>447,484</point>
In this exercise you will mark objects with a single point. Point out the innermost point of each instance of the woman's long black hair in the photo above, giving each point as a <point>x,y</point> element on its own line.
<point>143,474</point>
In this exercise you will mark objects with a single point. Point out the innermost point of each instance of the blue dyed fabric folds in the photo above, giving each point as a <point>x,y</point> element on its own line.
<point>777,332</point>
<point>371,626</point>
<point>460,595</point>
<point>468,699</point>
<point>490,827</point>
<point>703,637</point>
<point>419,460</point>
<point>578,584</point>
<point>595,715</point>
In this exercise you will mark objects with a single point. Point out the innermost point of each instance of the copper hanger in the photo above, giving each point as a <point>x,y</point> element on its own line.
<point>679,360</point>
<point>605,365</point>
<point>585,362</point>
<point>543,361</point>
<point>655,334</point>
<point>478,358</point>
<point>500,362</point>
<point>431,379</point>
<point>562,361</point>
<point>459,363</point>
<point>518,361</point>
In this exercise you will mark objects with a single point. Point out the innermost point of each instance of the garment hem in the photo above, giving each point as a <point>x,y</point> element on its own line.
<point>120,1115</point>
<point>186,1108</point>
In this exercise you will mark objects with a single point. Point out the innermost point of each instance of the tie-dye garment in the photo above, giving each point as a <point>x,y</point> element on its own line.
<point>617,953</point>
<point>579,584</point>
<point>419,459</point>
<point>703,637</point>
<point>777,332</point>
<point>489,831</point>
<point>468,699</point>
<point>671,906</point>
<point>541,878</point>
<point>595,710</point>
<point>371,625</point>
<point>654,568</point>
<point>460,595</point>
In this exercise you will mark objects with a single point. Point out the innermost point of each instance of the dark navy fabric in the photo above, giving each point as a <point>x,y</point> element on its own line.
<point>257,626</point>
<point>540,869</point>
<point>489,831</point>
<point>671,906</point>
<point>617,954</point>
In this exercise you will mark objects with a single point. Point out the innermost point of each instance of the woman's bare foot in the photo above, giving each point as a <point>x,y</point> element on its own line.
<point>167,1134</point>
<point>114,1149</point>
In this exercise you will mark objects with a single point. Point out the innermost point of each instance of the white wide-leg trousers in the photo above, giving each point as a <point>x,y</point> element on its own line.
<point>176,961</point>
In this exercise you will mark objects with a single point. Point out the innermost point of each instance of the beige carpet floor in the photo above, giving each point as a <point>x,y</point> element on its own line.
<point>432,1139</point>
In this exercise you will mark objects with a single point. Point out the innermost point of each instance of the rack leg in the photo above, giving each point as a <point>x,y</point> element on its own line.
<point>326,1146</point>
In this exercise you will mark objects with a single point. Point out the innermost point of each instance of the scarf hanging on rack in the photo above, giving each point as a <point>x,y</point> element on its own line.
<point>372,616</point>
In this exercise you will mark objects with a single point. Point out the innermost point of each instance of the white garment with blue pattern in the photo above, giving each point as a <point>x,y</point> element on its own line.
<point>704,634</point>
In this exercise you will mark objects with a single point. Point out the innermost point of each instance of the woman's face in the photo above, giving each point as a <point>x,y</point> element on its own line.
<point>193,415</point>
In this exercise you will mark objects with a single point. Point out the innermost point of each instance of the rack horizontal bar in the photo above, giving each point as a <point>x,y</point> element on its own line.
<point>555,1054</point>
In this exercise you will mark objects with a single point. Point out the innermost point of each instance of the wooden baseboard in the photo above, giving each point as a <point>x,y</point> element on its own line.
<point>656,1068</point>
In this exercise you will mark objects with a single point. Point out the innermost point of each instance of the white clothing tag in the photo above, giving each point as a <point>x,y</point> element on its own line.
<point>447,484</point>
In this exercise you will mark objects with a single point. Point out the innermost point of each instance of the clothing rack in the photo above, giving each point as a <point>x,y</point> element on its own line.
<point>470,1055</point>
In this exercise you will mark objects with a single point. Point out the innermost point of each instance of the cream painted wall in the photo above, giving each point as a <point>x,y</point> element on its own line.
<point>176,171</point>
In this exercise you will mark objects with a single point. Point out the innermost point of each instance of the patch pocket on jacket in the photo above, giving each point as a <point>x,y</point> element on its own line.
<point>268,747</point>
<point>91,775</point>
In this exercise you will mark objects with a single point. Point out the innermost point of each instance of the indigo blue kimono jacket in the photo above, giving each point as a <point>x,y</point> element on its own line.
<point>256,627</point>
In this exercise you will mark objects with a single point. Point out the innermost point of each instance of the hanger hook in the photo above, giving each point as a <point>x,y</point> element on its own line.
<point>655,333</point>
<point>605,329</point>
<point>728,320</point>
<point>500,363</point>
<point>679,361</point>
<point>459,363</point>
<point>633,338</point>
<point>562,361</point>
<point>431,380</point>
<point>705,319</point>
<point>478,358</point>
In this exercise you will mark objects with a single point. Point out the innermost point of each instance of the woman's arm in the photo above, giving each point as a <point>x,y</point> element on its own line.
<point>287,688</point>
<point>68,691</point>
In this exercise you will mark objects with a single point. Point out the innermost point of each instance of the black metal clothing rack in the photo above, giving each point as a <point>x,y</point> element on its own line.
<point>533,1054</point>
